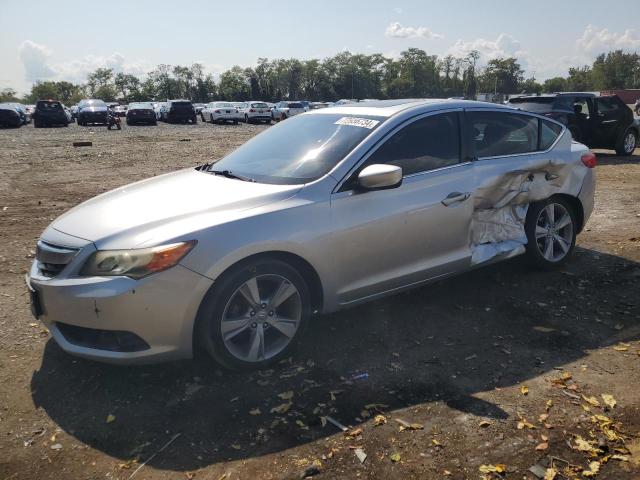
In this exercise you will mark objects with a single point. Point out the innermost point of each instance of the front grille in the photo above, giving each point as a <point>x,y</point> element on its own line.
<point>111,340</point>
<point>52,259</point>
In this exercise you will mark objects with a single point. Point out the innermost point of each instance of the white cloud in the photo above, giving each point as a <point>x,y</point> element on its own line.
<point>594,41</point>
<point>397,30</point>
<point>37,63</point>
<point>34,58</point>
<point>503,46</point>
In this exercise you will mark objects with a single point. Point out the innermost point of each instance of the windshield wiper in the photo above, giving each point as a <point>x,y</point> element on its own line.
<point>229,174</point>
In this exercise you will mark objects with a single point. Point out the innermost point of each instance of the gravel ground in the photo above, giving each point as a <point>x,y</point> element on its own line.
<point>499,369</point>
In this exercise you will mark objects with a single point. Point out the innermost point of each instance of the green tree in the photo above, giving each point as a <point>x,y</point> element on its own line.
<point>8,95</point>
<point>555,84</point>
<point>233,85</point>
<point>502,75</point>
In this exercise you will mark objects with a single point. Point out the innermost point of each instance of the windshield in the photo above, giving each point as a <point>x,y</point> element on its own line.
<point>139,105</point>
<point>92,103</point>
<point>300,150</point>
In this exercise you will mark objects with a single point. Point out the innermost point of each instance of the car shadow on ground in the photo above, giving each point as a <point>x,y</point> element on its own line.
<point>493,327</point>
<point>610,158</point>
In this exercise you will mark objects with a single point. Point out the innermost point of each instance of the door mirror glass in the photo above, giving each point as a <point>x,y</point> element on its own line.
<point>380,176</point>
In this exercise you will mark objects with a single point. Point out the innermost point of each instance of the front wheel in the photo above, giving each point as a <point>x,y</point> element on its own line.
<point>254,315</point>
<point>551,232</point>
<point>627,143</point>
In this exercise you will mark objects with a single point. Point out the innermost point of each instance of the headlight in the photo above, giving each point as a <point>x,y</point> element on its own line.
<point>136,263</point>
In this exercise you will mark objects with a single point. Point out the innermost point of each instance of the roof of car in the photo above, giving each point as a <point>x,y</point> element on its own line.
<point>387,108</point>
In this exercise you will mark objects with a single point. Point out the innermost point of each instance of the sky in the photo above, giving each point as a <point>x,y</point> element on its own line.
<point>66,39</point>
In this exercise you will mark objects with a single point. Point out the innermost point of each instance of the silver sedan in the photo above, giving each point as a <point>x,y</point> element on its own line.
<point>330,209</point>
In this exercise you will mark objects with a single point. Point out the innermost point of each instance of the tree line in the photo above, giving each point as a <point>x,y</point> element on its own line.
<point>345,75</point>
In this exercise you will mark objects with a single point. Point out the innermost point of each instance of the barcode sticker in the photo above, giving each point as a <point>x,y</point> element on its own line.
<point>358,122</point>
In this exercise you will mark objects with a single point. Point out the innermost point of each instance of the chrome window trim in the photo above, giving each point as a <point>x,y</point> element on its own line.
<point>392,131</point>
<point>520,112</point>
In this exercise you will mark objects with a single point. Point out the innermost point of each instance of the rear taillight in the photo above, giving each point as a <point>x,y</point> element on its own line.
<point>252,110</point>
<point>589,159</point>
<point>217,111</point>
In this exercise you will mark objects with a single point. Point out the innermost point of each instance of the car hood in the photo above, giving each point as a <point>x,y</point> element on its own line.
<point>165,207</point>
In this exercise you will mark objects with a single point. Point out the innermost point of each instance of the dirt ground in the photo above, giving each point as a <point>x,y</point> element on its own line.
<point>481,376</point>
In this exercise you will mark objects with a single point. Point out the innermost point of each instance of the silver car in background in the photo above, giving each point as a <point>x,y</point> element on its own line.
<point>330,209</point>
<point>220,112</point>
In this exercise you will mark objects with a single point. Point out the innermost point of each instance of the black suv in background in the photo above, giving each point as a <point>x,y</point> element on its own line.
<point>49,112</point>
<point>92,111</point>
<point>179,111</point>
<point>596,121</point>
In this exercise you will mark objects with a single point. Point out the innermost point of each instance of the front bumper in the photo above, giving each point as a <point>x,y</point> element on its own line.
<point>159,309</point>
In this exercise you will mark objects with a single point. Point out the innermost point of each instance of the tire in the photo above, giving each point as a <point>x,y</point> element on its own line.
<point>225,302</point>
<point>235,122</point>
<point>553,244</point>
<point>37,124</point>
<point>246,119</point>
<point>202,118</point>
<point>627,143</point>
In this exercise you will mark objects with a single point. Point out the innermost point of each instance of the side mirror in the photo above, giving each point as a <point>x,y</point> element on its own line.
<point>380,177</point>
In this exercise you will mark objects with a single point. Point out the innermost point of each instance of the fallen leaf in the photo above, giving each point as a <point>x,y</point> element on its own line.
<point>549,404</point>
<point>484,424</point>
<point>379,420</point>
<point>594,468</point>
<point>409,426</point>
<point>395,457</point>
<point>284,408</point>
<point>542,446</point>
<point>550,474</point>
<point>524,390</point>
<point>436,442</point>
<point>543,417</point>
<point>190,475</point>
<point>622,458</point>
<point>56,446</point>
<point>621,347</point>
<point>446,472</point>
<point>110,418</point>
<point>128,464</point>
<point>593,401</point>
<point>255,411</point>
<point>499,468</point>
<point>356,432</point>
<point>608,400</point>
<point>286,395</point>
<point>584,446</point>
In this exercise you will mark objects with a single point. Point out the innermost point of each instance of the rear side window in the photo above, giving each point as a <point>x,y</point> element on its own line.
<point>607,104</point>
<point>426,144</point>
<point>295,105</point>
<point>496,134</point>
<point>48,106</point>
<point>549,131</point>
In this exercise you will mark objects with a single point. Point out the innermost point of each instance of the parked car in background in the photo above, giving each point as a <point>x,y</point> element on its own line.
<point>120,110</point>
<point>597,121</point>
<point>30,109</point>
<point>141,112</point>
<point>179,111</point>
<point>284,110</point>
<point>10,116</point>
<point>306,104</point>
<point>157,108</point>
<point>74,111</point>
<point>198,107</point>
<point>25,117</point>
<point>253,111</point>
<point>223,256</point>
<point>319,105</point>
<point>220,112</point>
<point>92,111</point>
<point>49,113</point>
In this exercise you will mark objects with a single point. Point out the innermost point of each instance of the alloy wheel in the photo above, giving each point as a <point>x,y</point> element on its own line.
<point>554,232</point>
<point>629,143</point>
<point>261,318</point>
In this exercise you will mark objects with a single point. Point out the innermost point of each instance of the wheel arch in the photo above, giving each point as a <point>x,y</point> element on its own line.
<point>305,269</point>
<point>577,207</point>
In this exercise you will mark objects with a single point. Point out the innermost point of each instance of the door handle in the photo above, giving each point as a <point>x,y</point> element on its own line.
<point>455,197</point>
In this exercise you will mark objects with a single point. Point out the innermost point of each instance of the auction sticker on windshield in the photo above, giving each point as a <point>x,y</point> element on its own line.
<point>358,122</point>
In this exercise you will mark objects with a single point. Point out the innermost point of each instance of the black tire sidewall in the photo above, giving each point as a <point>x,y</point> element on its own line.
<point>207,331</point>
<point>534,254</point>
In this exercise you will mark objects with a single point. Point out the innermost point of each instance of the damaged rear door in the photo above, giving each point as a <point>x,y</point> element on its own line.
<point>515,165</point>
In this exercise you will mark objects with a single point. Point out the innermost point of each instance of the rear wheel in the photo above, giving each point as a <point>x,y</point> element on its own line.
<point>627,143</point>
<point>253,316</point>
<point>551,232</point>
